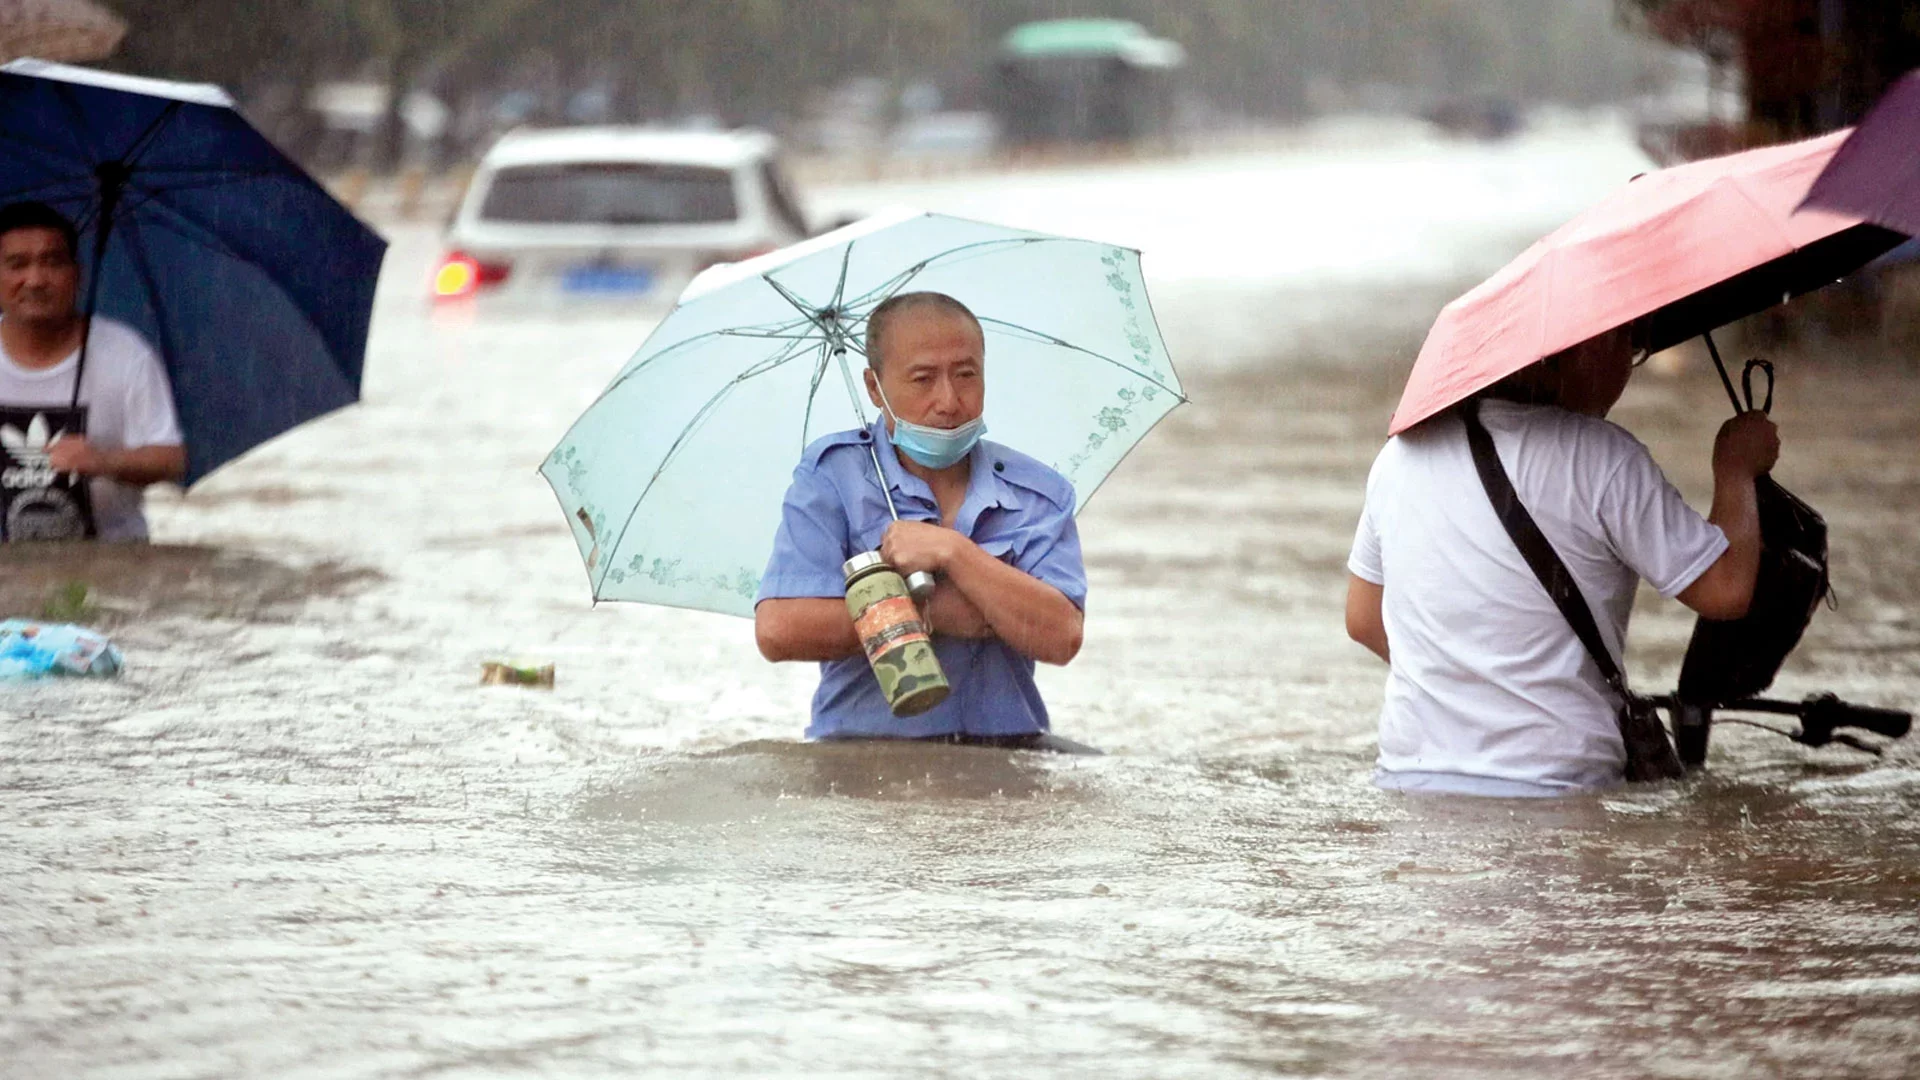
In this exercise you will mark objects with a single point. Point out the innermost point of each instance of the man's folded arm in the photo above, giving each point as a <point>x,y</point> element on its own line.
<point>1035,618</point>
<point>804,628</point>
<point>802,613</point>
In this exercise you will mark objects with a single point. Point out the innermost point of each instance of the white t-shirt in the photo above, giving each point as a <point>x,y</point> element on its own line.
<point>1489,690</point>
<point>129,404</point>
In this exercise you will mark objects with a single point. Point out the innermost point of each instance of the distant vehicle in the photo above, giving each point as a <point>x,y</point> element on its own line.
<point>1066,81</point>
<point>1488,117</point>
<point>614,214</point>
<point>945,135</point>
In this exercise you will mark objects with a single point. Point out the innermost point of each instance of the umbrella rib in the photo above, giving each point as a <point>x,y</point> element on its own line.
<point>828,323</point>
<point>621,379</point>
<point>846,260</point>
<point>207,239</point>
<point>763,337</point>
<point>145,140</point>
<point>1048,339</point>
<point>42,189</point>
<point>1779,231</point>
<point>772,333</point>
<point>187,170</point>
<point>63,93</point>
<point>813,391</point>
<point>213,243</point>
<point>137,246</point>
<point>794,299</point>
<point>204,183</point>
<point>777,360</point>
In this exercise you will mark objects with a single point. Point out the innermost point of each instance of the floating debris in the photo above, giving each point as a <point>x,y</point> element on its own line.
<point>499,673</point>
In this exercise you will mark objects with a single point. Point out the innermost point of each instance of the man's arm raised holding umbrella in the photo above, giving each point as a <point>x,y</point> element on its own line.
<point>1507,524</point>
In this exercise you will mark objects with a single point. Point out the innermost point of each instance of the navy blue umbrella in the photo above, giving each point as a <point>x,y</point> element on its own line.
<point>255,285</point>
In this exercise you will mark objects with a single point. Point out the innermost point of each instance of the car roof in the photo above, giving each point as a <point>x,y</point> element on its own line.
<point>559,145</point>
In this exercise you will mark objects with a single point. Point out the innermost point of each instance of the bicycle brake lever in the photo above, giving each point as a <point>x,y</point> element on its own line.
<point>1865,748</point>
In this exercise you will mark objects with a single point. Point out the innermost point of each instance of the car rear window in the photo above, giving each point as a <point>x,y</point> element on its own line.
<point>610,193</point>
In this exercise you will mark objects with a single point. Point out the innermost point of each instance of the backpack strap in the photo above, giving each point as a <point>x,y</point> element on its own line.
<point>1536,549</point>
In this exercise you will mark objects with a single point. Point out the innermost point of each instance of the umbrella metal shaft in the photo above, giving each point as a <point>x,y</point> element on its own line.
<point>1725,379</point>
<point>919,583</point>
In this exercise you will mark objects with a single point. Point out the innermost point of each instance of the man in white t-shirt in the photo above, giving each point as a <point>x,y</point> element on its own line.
<point>1489,692</point>
<point>132,435</point>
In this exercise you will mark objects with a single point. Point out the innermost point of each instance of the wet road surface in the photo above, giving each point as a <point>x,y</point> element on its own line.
<point>298,839</point>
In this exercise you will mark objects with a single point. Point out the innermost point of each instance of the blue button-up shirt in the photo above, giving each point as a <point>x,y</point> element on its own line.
<point>1016,509</point>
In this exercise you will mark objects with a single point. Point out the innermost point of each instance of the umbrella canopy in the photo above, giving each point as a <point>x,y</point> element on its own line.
<point>254,284</point>
<point>69,30</point>
<point>672,481</point>
<point>1688,248</point>
<point>1876,173</point>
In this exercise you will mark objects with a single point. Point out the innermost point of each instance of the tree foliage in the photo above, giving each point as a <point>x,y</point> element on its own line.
<point>762,60</point>
<point>1808,65</point>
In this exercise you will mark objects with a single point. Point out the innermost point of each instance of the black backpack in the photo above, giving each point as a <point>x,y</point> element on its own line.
<point>1738,658</point>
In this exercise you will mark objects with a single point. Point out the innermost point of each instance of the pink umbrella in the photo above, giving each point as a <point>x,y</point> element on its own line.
<point>1687,248</point>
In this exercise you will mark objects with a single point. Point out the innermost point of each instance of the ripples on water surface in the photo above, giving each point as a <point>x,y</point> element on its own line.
<point>296,839</point>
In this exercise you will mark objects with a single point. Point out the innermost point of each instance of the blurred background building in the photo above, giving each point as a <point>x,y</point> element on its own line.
<point>1789,68</point>
<point>380,84</point>
<point>419,89</point>
<point>384,84</point>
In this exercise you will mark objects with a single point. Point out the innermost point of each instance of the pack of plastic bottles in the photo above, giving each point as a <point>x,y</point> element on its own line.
<point>29,650</point>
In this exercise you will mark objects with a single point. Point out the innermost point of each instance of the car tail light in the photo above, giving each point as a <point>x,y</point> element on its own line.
<point>460,274</point>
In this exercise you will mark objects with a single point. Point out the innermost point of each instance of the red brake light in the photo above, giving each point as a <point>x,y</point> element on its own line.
<point>461,275</point>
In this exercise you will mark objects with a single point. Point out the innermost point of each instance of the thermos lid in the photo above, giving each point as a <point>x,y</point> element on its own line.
<point>866,560</point>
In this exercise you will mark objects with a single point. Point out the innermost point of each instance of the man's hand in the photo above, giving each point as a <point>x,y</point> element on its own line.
<point>1747,446</point>
<point>139,466</point>
<point>73,454</point>
<point>913,546</point>
<point>1034,618</point>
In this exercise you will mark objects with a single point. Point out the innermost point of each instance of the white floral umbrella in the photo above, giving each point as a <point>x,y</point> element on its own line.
<point>64,30</point>
<point>672,480</point>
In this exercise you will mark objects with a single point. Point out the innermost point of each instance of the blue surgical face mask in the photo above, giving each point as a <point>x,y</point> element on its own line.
<point>937,448</point>
<point>932,447</point>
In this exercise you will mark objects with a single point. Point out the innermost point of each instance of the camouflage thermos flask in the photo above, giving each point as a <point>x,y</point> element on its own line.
<point>893,635</point>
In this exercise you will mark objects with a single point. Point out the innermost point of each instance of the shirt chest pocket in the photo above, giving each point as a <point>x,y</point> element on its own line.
<point>1002,544</point>
<point>877,522</point>
<point>1002,547</point>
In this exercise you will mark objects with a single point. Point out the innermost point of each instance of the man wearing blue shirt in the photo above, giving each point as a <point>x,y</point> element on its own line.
<point>992,524</point>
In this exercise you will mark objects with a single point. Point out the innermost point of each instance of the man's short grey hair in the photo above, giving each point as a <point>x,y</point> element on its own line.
<point>900,304</point>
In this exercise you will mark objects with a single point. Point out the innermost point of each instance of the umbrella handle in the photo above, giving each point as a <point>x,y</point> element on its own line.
<point>112,177</point>
<point>1746,383</point>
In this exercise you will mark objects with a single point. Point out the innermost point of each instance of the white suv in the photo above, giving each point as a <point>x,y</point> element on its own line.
<point>613,214</point>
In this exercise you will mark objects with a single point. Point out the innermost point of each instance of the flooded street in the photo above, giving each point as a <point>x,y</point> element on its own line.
<point>297,838</point>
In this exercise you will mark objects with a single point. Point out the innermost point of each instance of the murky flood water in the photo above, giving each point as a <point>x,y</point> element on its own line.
<point>298,839</point>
